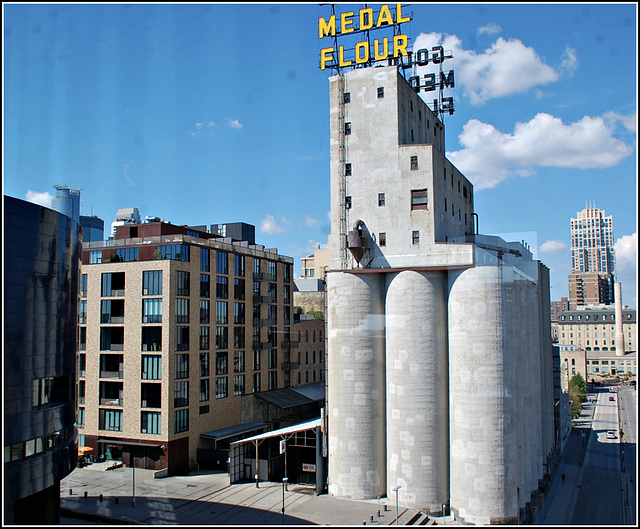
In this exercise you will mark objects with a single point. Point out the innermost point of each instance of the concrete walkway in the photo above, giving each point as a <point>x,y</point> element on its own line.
<point>95,495</point>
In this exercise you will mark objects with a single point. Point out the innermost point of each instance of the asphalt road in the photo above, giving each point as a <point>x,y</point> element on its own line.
<point>600,498</point>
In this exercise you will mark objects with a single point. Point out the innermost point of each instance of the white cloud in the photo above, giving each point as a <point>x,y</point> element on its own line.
<point>125,172</point>
<point>234,123</point>
<point>200,126</point>
<point>552,246</point>
<point>40,198</point>
<point>507,67</point>
<point>310,221</point>
<point>627,253</point>
<point>490,157</point>
<point>569,61</point>
<point>627,267</point>
<point>271,225</point>
<point>314,245</point>
<point>630,122</point>
<point>489,29</point>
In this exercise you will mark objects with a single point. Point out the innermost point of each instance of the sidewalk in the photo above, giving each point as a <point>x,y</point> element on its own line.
<point>560,503</point>
<point>206,498</point>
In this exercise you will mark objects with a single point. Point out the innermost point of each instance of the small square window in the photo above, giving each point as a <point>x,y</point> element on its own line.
<point>382,239</point>
<point>380,92</point>
<point>347,128</point>
<point>347,169</point>
<point>415,237</point>
<point>347,97</point>
<point>381,199</point>
<point>418,199</point>
<point>414,159</point>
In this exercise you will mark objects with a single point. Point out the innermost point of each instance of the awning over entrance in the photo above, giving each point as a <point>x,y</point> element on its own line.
<point>233,431</point>
<point>293,451</point>
<point>309,425</point>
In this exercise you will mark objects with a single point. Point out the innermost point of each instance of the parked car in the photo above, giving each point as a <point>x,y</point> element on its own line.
<point>611,434</point>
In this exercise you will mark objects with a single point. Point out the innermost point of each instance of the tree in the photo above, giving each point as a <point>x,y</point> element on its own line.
<point>577,393</point>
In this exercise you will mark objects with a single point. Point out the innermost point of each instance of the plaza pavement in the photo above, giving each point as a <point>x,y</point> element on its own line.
<point>95,495</point>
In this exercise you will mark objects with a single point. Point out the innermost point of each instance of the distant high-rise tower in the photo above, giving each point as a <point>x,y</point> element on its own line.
<point>592,277</point>
<point>125,216</point>
<point>67,201</point>
<point>93,228</point>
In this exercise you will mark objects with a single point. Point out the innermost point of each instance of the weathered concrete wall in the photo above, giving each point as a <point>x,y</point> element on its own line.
<point>356,393</point>
<point>417,389</point>
<point>484,464</point>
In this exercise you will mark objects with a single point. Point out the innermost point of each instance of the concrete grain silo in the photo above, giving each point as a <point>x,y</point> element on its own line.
<point>356,396</point>
<point>417,388</point>
<point>483,444</point>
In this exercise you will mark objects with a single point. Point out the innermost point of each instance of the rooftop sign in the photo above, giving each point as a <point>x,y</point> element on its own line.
<point>364,52</point>
<point>354,47</point>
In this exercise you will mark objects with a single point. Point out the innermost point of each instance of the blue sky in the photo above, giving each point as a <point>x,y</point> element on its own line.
<point>210,113</point>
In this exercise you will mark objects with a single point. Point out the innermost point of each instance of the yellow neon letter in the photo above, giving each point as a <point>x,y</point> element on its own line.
<point>385,49</point>
<point>399,18</point>
<point>326,54</point>
<point>369,23</point>
<point>360,46</point>
<point>384,16</point>
<point>344,23</point>
<point>399,45</point>
<point>341,60</point>
<point>327,28</point>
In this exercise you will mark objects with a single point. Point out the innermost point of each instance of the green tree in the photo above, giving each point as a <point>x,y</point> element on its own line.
<point>577,394</point>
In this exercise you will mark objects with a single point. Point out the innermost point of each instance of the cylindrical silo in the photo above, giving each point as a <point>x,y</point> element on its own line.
<point>417,389</point>
<point>483,465</point>
<point>356,385</point>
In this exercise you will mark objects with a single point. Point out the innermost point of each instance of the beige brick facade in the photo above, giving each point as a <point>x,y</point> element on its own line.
<point>225,362</point>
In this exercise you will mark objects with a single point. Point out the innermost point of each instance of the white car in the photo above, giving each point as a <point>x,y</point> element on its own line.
<point>611,434</point>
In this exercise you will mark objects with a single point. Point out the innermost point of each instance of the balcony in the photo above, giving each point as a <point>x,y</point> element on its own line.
<point>111,402</point>
<point>112,374</point>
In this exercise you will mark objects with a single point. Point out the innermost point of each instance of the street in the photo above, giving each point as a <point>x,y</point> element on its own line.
<point>596,481</point>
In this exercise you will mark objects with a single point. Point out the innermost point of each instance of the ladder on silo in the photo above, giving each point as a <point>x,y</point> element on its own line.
<point>342,158</point>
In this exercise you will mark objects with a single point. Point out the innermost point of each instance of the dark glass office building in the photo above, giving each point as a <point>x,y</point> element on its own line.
<point>42,250</point>
<point>92,228</point>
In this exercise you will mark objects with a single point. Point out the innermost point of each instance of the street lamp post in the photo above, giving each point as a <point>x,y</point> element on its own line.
<point>396,489</point>
<point>284,484</point>
<point>133,496</point>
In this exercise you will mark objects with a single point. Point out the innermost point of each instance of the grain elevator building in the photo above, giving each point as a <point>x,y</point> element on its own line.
<point>439,341</point>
